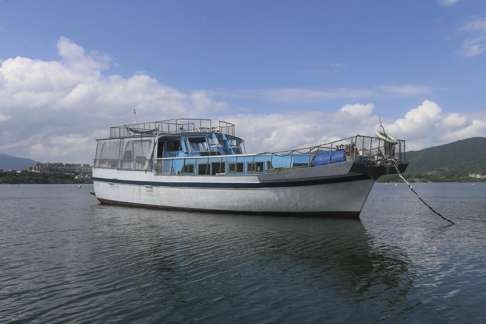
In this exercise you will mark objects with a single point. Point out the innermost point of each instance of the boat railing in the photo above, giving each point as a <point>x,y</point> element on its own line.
<point>173,126</point>
<point>371,150</point>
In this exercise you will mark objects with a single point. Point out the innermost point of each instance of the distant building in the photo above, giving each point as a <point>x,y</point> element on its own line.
<point>477,176</point>
<point>77,169</point>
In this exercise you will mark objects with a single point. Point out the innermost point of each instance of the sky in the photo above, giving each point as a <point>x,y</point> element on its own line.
<point>288,73</point>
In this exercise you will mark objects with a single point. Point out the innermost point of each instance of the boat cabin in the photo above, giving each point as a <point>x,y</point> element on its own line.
<point>201,144</point>
<point>197,147</point>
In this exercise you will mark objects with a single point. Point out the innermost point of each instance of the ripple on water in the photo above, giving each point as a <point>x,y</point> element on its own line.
<point>66,258</point>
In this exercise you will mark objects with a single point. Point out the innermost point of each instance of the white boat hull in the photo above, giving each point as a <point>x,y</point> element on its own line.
<point>344,196</point>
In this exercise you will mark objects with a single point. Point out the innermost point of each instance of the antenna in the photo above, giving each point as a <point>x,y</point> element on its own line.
<point>382,128</point>
<point>134,111</point>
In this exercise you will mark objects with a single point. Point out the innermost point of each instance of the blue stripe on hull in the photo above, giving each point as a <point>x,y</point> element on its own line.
<point>294,183</point>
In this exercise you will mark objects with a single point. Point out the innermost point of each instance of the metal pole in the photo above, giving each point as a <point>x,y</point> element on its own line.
<point>371,146</point>
<point>362,144</point>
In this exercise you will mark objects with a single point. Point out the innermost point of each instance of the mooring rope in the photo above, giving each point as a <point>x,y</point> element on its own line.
<point>395,164</point>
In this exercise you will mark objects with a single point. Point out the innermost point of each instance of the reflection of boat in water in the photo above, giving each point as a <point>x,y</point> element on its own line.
<point>192,164</point>
<point>332,265</point>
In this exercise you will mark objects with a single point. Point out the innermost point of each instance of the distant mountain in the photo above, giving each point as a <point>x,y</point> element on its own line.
<point>449,161</point>
<point>9,162</point>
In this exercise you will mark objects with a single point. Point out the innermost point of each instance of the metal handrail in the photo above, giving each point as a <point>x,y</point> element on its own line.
<point>307,149</point>
<point>174,126</point>
<point>373,149</point>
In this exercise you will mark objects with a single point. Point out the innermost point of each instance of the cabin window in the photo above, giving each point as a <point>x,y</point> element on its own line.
<point>107,154</point>
<point>188,168</point>
<point>255,167</point>
<point>203,169</point>
<point>217,167</point>
<point>127,157</point>
<point>224,146</point>
<point>300,164</point>
<point>216,144</point>
<point>213,140</point>
<point>168,147</point>
<point>136,154</point>
<point>142,151</point>
<point>235,146</point>
<point>236,167</point>
<point>173,146</point>
<point>198,144</point>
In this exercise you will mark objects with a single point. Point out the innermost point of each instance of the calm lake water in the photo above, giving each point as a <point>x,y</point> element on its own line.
<point>66,258</point>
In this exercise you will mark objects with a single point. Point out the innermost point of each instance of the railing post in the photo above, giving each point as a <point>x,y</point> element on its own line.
<point>309,161</point>
<point>397,154</point>
<point>404,152</point>
<point>362,144</point>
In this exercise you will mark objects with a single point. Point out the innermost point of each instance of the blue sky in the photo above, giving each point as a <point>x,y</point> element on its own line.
<point>256,59</point>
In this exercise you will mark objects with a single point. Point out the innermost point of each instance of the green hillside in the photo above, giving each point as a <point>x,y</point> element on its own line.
<point>450,162</point>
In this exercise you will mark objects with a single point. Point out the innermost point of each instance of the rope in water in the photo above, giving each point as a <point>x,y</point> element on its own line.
<point>395,164</point>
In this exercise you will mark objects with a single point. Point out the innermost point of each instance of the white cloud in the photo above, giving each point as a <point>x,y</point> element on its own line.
<point>54,110</point>
<point>406,89</point>
<point>75,57</point>
<point>357,110</point>
<point>454,121</point>
<point>416,120</point>
<point>282,131</point>
<point>427,125</point>
<point>474,46</point>
<point>447,3</point>
<point>476,25</point>
<point>422,126</point>
<point>316,94</point>
<point>41,101</point>
<point>295,94</point>
<point>475,42</point>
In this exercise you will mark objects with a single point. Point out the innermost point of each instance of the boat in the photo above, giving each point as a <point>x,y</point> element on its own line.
<point>201,165</point>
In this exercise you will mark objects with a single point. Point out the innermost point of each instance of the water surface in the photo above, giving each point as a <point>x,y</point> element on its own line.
<point>66,258</point>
